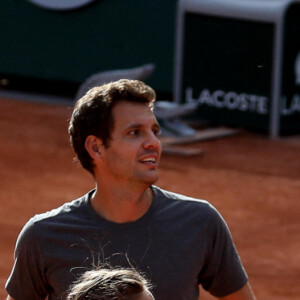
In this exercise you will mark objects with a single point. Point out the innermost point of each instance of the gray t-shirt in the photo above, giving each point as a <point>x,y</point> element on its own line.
<point>179,243</point>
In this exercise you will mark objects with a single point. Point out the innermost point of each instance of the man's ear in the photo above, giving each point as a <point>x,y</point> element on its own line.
<point>94,146</point>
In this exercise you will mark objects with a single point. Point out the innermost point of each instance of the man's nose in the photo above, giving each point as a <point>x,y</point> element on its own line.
<point>152,141</point>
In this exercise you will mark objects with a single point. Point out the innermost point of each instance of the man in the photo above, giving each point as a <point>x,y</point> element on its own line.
<point>178,242</point>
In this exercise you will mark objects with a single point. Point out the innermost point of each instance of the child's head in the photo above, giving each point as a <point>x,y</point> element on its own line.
<point>111,284</point>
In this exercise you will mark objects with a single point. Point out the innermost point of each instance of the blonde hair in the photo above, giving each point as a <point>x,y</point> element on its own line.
<point>108,284</point>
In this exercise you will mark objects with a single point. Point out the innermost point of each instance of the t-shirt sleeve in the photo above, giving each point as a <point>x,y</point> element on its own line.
<point>27,280</point>
<point>223,272</point>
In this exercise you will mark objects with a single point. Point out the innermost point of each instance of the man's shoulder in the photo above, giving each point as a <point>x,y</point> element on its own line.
<point>66,211</point>
<point>190,212</point>
<point>179,199</point>
<point>177,202</point>
<point>43,227</point>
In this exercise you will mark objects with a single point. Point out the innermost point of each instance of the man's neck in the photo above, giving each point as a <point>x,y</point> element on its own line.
<point>122,205</point>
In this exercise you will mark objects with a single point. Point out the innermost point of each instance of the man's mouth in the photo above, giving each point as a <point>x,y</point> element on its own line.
<point>149,160</point>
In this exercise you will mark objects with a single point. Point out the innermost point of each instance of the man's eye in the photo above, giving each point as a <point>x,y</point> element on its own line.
<point>133,132</point>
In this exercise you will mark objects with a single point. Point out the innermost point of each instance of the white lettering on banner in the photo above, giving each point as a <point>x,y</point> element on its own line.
<point>230,100</point>
<point>294,106</point>
<point>218,97</point>
<point>60,4</point>
<point>297,69</point>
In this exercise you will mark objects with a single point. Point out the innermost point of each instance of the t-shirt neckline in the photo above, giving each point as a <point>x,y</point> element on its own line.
<point>113,225</point>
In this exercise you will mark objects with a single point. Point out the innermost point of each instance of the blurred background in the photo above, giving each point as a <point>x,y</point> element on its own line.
<point>237,61</point>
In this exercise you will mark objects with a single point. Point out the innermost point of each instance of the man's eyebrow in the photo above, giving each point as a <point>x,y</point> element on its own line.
<point>140,125</point>
<point>134,125</point>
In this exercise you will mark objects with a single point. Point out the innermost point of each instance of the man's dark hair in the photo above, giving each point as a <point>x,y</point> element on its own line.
<point>92,114</point>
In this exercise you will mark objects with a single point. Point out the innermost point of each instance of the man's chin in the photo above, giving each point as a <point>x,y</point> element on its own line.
<point>149,180</point>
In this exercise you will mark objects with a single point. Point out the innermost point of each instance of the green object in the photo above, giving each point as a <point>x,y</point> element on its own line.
<point>69,46</point>
<point>227,69</point>
<point>239,62</point>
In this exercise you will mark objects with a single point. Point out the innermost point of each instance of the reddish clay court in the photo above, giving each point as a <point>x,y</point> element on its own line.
<point>252,180</point>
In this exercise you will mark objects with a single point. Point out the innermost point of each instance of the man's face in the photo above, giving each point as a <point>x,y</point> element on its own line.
<point>134,150</point>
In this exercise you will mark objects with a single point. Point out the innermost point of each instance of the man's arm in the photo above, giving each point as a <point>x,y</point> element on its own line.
<point>245,293</point>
